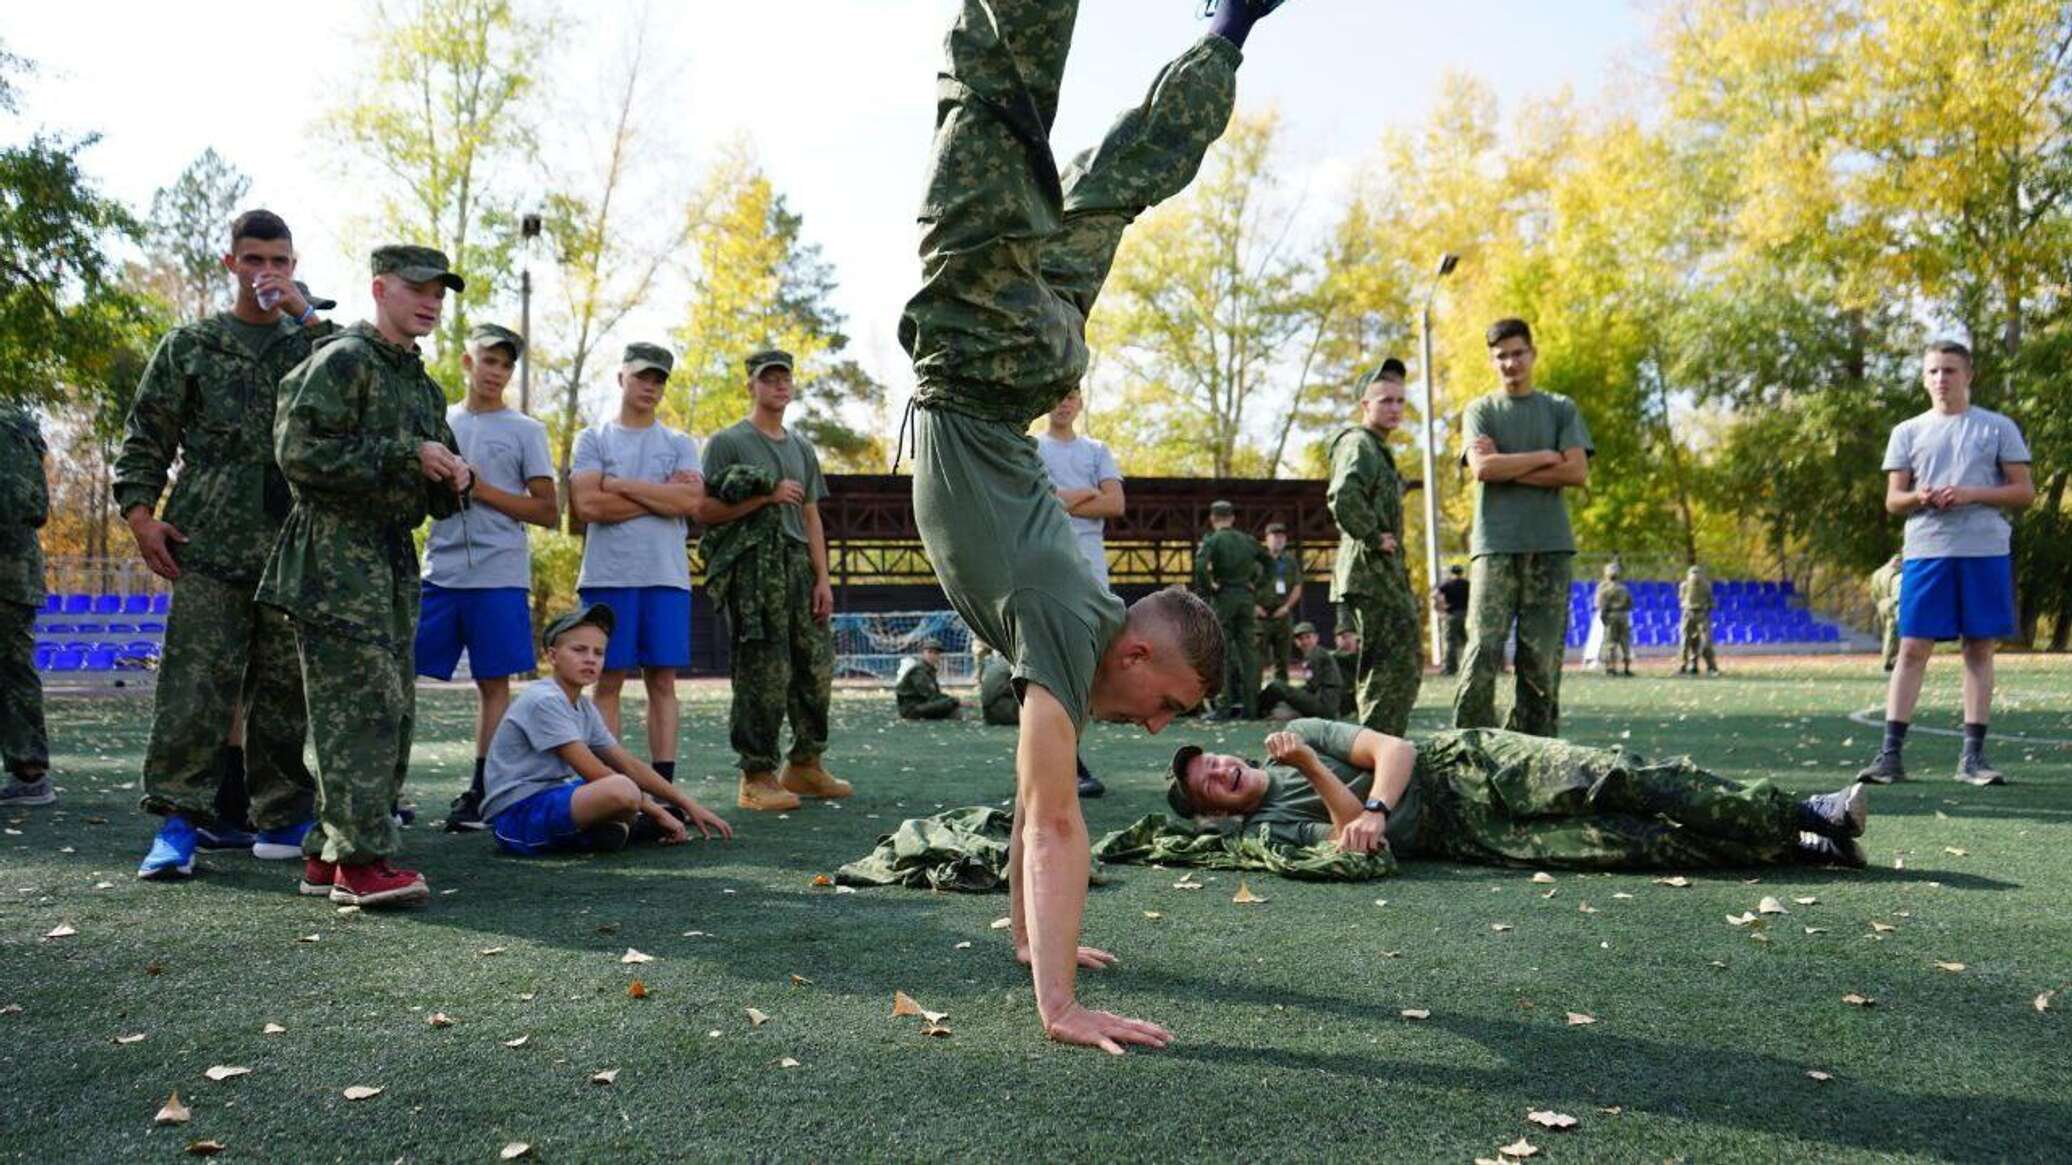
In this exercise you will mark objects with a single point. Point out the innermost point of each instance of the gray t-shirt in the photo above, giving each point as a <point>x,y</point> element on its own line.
<point>507,449</point>
<point>1966,449</point>
<point>521,758</point>
<point>1081,463</point>
<point>645,551</point>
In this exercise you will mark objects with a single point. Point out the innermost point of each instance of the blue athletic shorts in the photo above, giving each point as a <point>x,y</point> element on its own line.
<point>652,626</point>
<point>542,823</point>
<point>494,625</point>
<point>1957,598</point>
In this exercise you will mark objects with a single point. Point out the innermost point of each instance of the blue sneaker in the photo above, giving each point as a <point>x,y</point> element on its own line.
<point>172,852</point>
<point>283,844</point>
<point>223,837</point>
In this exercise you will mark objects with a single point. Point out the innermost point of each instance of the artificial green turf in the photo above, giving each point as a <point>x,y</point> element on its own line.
<point>1289,1042</point>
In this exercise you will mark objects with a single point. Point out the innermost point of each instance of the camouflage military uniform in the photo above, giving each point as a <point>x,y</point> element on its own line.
<point>1321,692</point>
<point>1229,564</point>
<point>207,401</point>
<point>1276,637</point>
<point>1453,596</point>
<point>1366,499</point>
<point>919,696</point>
<point>24,506</point>
<point>351,421</point>
<point>783,659</point>
<point>1505,798</point>
<point>1615,610</point>
<point>1348,663</point>
<point>1694,595</point>
<point>1885,593</point>
<point>996,691</point>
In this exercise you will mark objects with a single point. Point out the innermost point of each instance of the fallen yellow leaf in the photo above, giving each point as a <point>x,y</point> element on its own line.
<point>757,1018</point>
<point>206,1148</point>
<point>61,930</point>
<point>309,938</point>
<point>439,1019</point>
<point>222,1072</point>
<point>1816,930</point>
<point>636,990</point>
<point>362,1092</point>
<point>1578,1018</point>
<point>1586,908</point>
<point>787,1062</point>
<point>136,1038</point>
<point>1003,923</point>
<point>633,956</point>
<point>1416,1013</point>
<point>605,1077</point>
<point>1244,894</point>
<point>1679,881</point>
<point>517,1043</point>
<point>513,1151</point>
<point>486,952</point>
<point>1818,1076</point>
<point>822,880</point>
<point>932,1028</point>
<point>1855,1000</point>
<point>1520,1149</point>
<point>1500,927</point>
<point>1954,852</point>
<point>272,1029</point>
<point>1952,968</point>
<point>1622,894</point>
<point>173,1112</point>
<point>2042,1002</point>
<point>903,1004</point>
<point>1883,927</point>
<point>1770,906</point>
<point>1548,1118</point>
<point>1808,900</point>
<point>800,981</point>
<point>1543,877</point>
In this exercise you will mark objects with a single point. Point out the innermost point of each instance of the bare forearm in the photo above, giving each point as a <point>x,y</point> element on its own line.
<point>1104,503</point>
<point>714,512</point>
<point>2012,496</point>
<point>1508,466</point>
<point>1340,802</point>
<point>1054,850</point>
<point>525,507</point>
<point>816,543</point>
<point>600,507</point>
<point>670,501</point>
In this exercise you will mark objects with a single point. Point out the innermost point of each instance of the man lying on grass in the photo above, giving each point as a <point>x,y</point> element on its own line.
<point>557,780</point>
<point>1492,797</point>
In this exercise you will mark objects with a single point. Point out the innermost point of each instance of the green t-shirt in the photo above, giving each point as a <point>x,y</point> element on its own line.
<point>254,337</point>
<point>1523,519</point>
<point>1007,557</point>
<point>792,458</point>
<point>1296,812</point>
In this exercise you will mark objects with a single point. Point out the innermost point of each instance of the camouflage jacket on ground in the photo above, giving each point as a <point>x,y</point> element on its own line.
<point>24,505</point>
<point>351,420</point>
<point>207,403</point>
<point>1366,500</point>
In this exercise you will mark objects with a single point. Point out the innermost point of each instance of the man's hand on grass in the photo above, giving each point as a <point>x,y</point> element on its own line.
<point>1104,1030</point>
<point>1090,958</point>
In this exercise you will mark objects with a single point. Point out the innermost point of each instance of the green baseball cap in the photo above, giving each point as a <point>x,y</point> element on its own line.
<point>316,301</point>
<point>1177,796</point>
<point>1390,369</point>
<point>594,615</point>
<point>417,264</point>
<point>1276,527</point>
<point>768,358</point>
<point>643,357</point>
<point>1219,506</point>
<point>930,644</point>
<point>491,335</point>
<point>1303,629</point>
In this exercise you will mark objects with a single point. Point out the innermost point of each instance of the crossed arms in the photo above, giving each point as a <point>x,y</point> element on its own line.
<point>597,498</point>
<point>1542,467</point>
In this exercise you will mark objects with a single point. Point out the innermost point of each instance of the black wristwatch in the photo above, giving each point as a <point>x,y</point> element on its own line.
<point>1377,805</point>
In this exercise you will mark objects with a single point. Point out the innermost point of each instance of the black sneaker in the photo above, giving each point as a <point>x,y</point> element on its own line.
<point>608,837</point>
<point>1089,784</point>
<point>1815,850</point>
<point>1838,814</point>
<point>465,813</point>
<point>1973,769</point>
<point>1885,770</point>
<point>404,814</point>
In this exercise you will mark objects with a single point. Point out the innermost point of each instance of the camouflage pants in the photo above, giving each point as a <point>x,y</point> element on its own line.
<point>1889,633</point>
<point>939,708</point>
<point>1530,591</point>
<point>1697,640</point>
<point>1305,702</point>
<point>787,673</point>
<point>222,650</point>
<point>1618,641</point>
<point>1456,640</point>
<point>362,715</point>
<point>1385,683</point>
<point>1013,255</point>
<point>1277,643</point>
<point>23,743</point>
<point>1504,798</point>
<point>1235,614</point>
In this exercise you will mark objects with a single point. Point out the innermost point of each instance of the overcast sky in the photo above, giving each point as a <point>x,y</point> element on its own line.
<point>837,97</point>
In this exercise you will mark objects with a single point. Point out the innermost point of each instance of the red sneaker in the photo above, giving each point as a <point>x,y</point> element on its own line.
<point>318,876</point>
<point>378,884</point>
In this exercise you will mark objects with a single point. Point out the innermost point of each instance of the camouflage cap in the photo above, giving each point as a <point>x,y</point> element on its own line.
<point>316,301</point>
<point>593,615</point>
<point>1390,369</point>
<point>767,358</point>
<point>1219,506</point>
<point>491,335</point>
<point>1276,527</point>
<point>929,644</point>
<point>642,357</point>
<point>417,264</point>
<point>1177,796</point>
<point>1303,629</point>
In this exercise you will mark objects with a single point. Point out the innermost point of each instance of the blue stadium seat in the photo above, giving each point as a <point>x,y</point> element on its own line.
<point>107,604</point>
<point>60,629</point>
<point>122,628</point>
<point>70,659</point>
<point>52,604</point>
<point>45,652</point>
<point>161,603</point>
<point>101,658</point>
<point>149,627</point>
<point>91,628</point>
<point>78,604</point>
<point>141,649</point>
<point>136,604</point>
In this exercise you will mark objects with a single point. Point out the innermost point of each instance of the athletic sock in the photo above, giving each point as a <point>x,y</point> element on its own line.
<point>1233,21</point>
<point>666,769</point>
<point>1895,737</point>
<point>475,786</point>
<point>1974,740</point>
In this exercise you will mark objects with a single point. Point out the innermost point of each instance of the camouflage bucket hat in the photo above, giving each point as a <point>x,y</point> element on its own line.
<point>417,265</point>
<point>594,615</point>
<point>645,357</point>
<point>493,335</point>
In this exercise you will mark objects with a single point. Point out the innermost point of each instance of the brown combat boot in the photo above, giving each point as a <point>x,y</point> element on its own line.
<point>808,779</point>
<point>759,792</point>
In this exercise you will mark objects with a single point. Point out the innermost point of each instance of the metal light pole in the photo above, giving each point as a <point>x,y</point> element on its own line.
<point>528,230</point>
<point>1447,262</point>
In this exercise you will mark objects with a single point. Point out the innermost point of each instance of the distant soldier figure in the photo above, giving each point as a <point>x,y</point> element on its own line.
<point>996,687</point>
<point>1280,594</point>
<point>919,694</point>
<point>1453,600</point>
<point>1370,580</point>
<point>1346,654</point>
<point>1694,595</point>
<point>1322,687</point>
<point>1885,593</point>
<point>24,506</point>
<point>1614,605</point>
<point>1228,567</point>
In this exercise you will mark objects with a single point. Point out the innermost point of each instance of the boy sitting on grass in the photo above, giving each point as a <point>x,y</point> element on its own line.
<point>557,780</point>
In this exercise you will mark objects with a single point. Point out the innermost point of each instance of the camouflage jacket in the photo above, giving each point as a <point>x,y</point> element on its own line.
<point>744,558</point>
<point>1324,680</point>
<point>1694,594</point>
<point>1231,562</point>
<point>208,403</point>
<point>351,420</point>
<point>1885,590</point>
<point>1614,599</point>
<point>1366,500</point>
<point>917,687</point>
<point>24,505</point>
